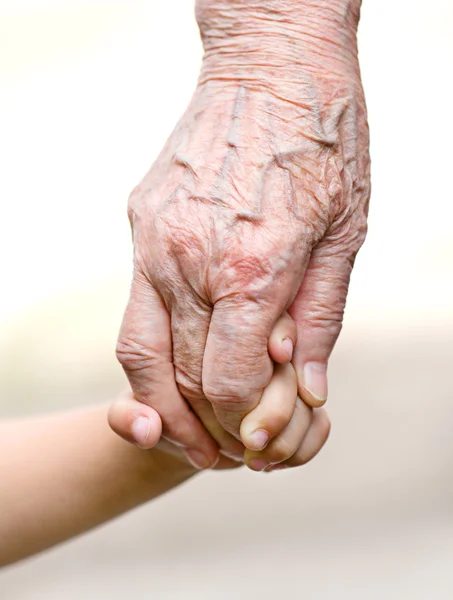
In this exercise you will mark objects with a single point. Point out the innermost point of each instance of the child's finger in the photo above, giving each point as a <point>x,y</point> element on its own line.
<point>312,443</point>
<point>283,339</point>
<point>284,445</point>
<point>274,411</point>
<point>230,446</point>
<point>135,422</point>
<point>227,463</point>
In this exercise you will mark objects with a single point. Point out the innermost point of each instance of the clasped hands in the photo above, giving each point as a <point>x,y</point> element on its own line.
<point>245,233</point>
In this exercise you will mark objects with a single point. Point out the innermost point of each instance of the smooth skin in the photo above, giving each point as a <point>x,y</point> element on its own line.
<point>64,474</point>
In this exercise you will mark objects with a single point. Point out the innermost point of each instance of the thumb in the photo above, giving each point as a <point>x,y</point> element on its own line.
<point>135,422</point>
<point>144,349</point>
<point>318,312</point>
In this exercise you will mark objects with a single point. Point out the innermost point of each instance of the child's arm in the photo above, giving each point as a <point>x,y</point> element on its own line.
<point>64,474</point>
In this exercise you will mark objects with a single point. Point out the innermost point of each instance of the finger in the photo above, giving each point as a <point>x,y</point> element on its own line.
<point>227,463</point>
<point>135,422</point>
<point>250,294</point>
<point>228,444</point>
<point>145,352</point>
<point>236,363</point>
<point>283,339</point>
<point>286,444</point>
<point>274,411</point>
<point>318,312</point>
<point>190,319</point>
<point>317,435</point>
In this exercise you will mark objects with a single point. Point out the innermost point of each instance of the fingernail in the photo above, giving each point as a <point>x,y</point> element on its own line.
<point>288,346</point>
<point>140,430</point>
<point>315,380</point>
<point>258,464</point>
<point>257,440</point>
<point>196,458</point>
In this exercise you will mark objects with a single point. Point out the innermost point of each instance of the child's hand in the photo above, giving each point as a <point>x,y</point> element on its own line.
<point>281,431</point>
<point>141,425</point>
<point>294,441</point>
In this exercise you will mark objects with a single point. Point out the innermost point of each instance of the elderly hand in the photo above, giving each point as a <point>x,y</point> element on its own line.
<point>257,204</point>
<point>298,431</point>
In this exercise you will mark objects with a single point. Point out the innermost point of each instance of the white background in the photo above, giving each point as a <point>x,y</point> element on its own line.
<point>89,91</point>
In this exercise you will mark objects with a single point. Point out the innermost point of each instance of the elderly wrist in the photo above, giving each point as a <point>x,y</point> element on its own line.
<point>285,35</point>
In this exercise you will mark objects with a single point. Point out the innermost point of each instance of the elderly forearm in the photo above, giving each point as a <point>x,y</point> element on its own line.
<point>294,65</point>
<point>270,42</point>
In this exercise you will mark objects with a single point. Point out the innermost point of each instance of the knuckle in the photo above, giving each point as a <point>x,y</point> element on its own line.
<point>187,356</point>
<point>226,395</point>
<point>328,324</point>
<point>183,238</point>
<point>189,382</point>
<point>280,450</point>
<point>134,356</point>
<point>325,311</point>
<point>221,394</point>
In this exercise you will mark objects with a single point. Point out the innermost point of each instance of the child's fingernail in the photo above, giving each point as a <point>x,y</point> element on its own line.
<point>197,459</point>
<point>315,380</point>
<point>140,430</point>
<point>257,440</point>
<point>258,464</point>
<point>288,346</point>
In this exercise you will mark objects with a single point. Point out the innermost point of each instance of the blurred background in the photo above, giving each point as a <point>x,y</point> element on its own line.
<point>89,91</point>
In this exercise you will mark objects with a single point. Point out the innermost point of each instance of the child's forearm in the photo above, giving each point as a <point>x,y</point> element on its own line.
<point>64,474</point>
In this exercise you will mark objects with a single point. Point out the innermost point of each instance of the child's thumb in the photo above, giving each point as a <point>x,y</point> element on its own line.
<point>135,422</point>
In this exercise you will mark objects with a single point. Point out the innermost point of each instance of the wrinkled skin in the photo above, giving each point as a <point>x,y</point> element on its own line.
<point>257,204</point>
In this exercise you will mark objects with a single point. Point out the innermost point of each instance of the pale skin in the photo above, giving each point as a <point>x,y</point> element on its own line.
<point>66,473</point>
<point>257,205</point>
<point>286,429</point>
<point>63,474</point>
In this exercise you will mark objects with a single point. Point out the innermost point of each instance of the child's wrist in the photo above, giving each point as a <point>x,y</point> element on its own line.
<point>164,469</point>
